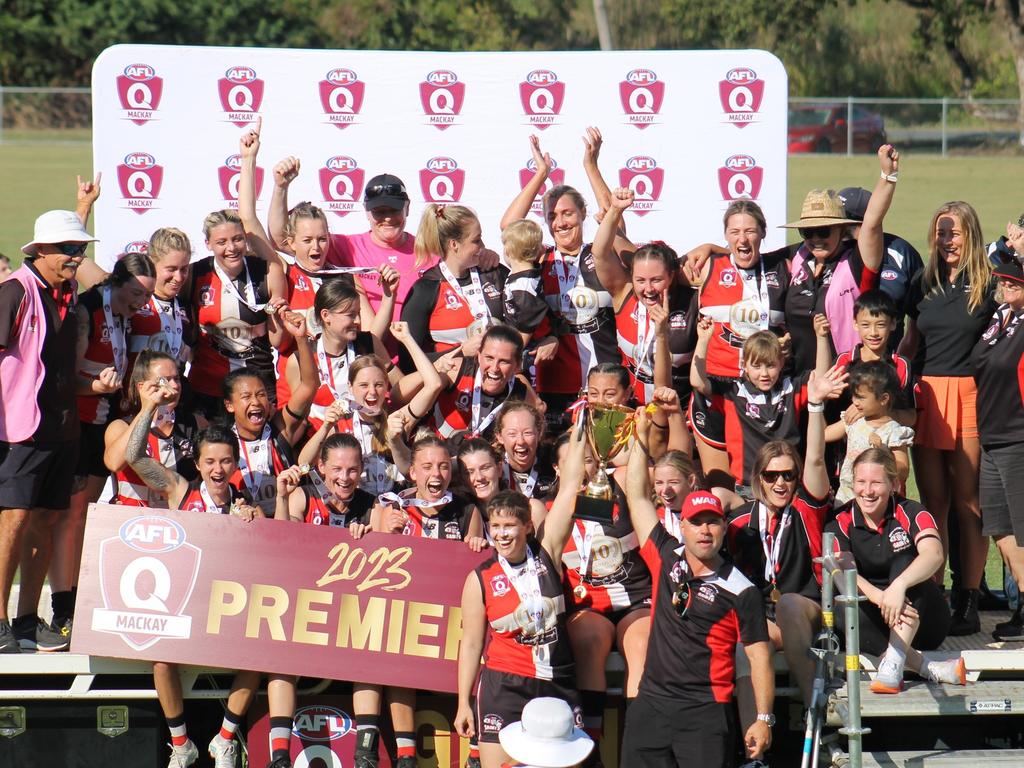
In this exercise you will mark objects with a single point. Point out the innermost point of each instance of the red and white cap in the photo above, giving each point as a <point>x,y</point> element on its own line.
<point>701,501</point>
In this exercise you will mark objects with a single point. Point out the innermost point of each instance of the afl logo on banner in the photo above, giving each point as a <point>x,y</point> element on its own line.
<point>442,180</point>
<point>136,246</point>
<point>641,94</point>
<point>140,179</point>
<point>241,94</point>
<point>341,95</point>
<point>139,90</point>
<point>555,178</point>
<point>321,723</point>
<point>228,176</point>
<point>442,96</point>
<point>741,93</point>
<point>740,178</point>
<point>341,182</point>
<point>542,95</point>
<point>646,179</point>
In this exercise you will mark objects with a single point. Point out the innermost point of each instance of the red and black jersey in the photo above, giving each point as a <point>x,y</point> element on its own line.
<point>176,451</point>
<point>99,354</point>
<point>907,397</point>
<point>333,371</point>
<point>231,334</point>
<point>453,409</point>
<point>614,575</point>
<point>692,658</point>
<point>794,539</point>
<point>883,554</point>
<point>538,483</point>
<point>740,302</point>
<point>998,360</point>
<point>526,310</point>
<point>260,462</point>
<point>575,295</point>
<point>194,500</point>
<point>527,637</point>
<point>449,522</point>
<point>319,512</point>
<point>162,326</point>
<point>753,418</point>
<point>682,338</point>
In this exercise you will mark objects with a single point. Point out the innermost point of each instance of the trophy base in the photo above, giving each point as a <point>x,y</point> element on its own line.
<point>594,509</point>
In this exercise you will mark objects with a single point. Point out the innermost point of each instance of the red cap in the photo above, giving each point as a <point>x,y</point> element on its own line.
<point>701,501</point>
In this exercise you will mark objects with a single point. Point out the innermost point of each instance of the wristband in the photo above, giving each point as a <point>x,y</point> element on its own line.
<point>891,177</point>
<point>815,407</point>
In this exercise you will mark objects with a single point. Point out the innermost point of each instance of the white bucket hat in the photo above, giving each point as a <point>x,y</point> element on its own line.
<point>547,736</point>
<point>57,227</point>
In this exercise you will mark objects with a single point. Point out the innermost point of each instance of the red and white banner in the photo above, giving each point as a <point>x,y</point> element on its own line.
<point>690,131</point>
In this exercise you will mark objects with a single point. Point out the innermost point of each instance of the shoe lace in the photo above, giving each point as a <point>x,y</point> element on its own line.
<point>225,753</point>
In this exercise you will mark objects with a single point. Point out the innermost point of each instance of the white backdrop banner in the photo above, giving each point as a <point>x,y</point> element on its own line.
<point>689,131</point>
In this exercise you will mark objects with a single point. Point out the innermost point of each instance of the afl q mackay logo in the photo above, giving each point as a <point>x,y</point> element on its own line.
<point>542,94</point>
<point>341,95</point>
<point>740,178</point>
<point>641,94</point>
<point>646,179</point>
<point>139,90</point>
<point>442,180</point>
<point>740,93</point>
<point>442,95</point>
<point>228,176</point>
<point>555,178</point>
<point>341,183</point>
<point>147,575</point>
<point>140,179</point>
<point>136,246</point>
<point>241,94</point>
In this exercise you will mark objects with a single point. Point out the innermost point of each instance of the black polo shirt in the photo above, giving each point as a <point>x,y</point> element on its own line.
<point>883,554</point>
<point>691,659</point>
<point>998,360</point>
<point>947,328</point>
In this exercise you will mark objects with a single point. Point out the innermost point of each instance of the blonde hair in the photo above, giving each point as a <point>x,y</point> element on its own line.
<point>523,241</point>
<point>379,423</point>
<point>762,347</point>
<point>216,218</point>
<point>304,210</point>
<point>884,458</point>
<point>168,240</point>
<point>973,260</point>
<point>438,225</point>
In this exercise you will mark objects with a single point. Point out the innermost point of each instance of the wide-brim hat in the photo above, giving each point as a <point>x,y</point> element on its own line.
<point>547,736</point>
<point>822,208</point>
<point>57,227</point>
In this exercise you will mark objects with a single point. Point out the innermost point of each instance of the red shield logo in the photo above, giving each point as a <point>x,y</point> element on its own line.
<point>341,95</point>
<point>139,90</point>
<point>542,94</point>
<point>442,95</point>
<point>147,575</point>
<point>740,93</point>
<point>228,176</point>
<point>241,94</point>
<point>555,178</point>
<point>641,94</point>
<point>740,178</point>
<point>341,183</point>
<point>140,179</point>
<point>646,179</point>
<point>442,180</point>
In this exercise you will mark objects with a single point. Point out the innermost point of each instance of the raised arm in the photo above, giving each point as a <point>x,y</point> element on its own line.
<point>699,365</point>
<point>389,279</point>
<point>823,350</point>
<point>662,353</point>
<point>610,272</point>
<point>670,432</point>
<point>871,239</point>
<point>311,450</point>
<point>293,415</point>
<point>819,389</point>
<point>285,172</point>
<point>423,400</point>
<point>638,483</point>
<point>519,208</point>
<point>259,242</point>
<point>558,522</point>
<point>290,502</point>
<point>154,474</point>
<point>592,141</point>
<point>89,272</point>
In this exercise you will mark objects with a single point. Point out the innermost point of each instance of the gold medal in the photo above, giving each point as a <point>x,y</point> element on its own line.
<point>580,592</point>
<point>775,595</point>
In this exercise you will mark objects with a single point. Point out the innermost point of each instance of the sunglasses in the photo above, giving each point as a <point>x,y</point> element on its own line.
<point>772,476</point>
<point>71,249</point>
<point>814,232</point>
<point>682,598</point>
<point>391,190</point>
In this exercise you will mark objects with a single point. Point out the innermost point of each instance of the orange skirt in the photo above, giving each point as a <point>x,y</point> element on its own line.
<point>946,411</point>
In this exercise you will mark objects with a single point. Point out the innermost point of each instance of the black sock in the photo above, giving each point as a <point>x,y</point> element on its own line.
<point>367,733</point>
<point>592,703</point>
<point>280,737</point>
<point>63,606</point>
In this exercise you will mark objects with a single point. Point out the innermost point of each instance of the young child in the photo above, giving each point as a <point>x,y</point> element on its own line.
<point>875,387</point>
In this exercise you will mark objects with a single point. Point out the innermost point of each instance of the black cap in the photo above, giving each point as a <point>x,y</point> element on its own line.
<point>855,201</point>
<point>1011,270</point>
<point>385,191</point>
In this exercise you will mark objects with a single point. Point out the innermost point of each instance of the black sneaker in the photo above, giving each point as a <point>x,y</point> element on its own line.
<point>1012,629</point>
<point>281,762</point>
<point>8,641</point>
<point>472,762</point>
<point>365,760</point>
<point>35,635</point>
<point>63,628</point>
<point>965,620</point>
<point>405,762</point>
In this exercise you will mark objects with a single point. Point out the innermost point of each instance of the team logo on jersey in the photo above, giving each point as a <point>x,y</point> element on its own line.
<point>771,279</point>
<point>206,296</point>
<point>727,277</point>
<point>753,410</point>
<point>499,585</point>
<point>741,93</point>
<point>140,179</point>
<point>588,263</point>
<point>708,593</point>
<point>442,95</point>
<point>740,178</point>
<point>493,723</point>
<point>889,274</point>
<point>542,95</point>
<point>139,90</point>
<point>320,723</point>
<point>641,94</point>
<point>136,246</point>
<point>556,177</point>
<point>230,174</point>
<point>899,540</point>
<point>677,573</point>
<point>147,574</point>
<point>302,285</point>
<point>442,180</point>
<point>452,530</point>
<point>341,183</point>
<point>241,93</point>
<point>645,178</point>
<point>677,320</point>
<point>341,96</point>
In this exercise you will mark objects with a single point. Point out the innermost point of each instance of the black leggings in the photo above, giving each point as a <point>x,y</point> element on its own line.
<point>931,606</point>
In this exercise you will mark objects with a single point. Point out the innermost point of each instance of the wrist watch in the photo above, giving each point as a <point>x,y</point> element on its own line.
<point>767,718</point>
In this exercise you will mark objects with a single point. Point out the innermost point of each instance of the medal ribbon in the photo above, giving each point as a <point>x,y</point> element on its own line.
<point>583,532</point>
<point>229,285</point>
<point>526,582</point>
<point>253,472</point>
<point>771,542</point>
<point>115,332</point>
<point>211,506</point>
<point>326,367</point>
<point>473,296</point>
<point>475,425</point>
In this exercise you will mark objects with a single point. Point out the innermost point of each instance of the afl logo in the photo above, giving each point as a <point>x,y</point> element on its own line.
<point>241,94</point>
<point>442,181</point>
<point>646,179</point>
<point>152,534</point>
<point>140,179</point>
<point>641,94</point>
<point>556,177</point>
<point>499,585</point>
<point>137,246</point>
<point>542,95</point>
<point>228,176</point>
<point>442,96</point>
<point>741,93</point>
<point>139,90</point>
<point>321,723</point>
<point>341,183</point>
<point>341,96</point>
<point>740,178</point>
<point>889,274</point>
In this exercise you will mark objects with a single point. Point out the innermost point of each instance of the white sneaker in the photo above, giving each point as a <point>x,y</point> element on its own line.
<point>952,671</point>
<point>889,678</point>
<point>223,752</point>
<point>183,756</point>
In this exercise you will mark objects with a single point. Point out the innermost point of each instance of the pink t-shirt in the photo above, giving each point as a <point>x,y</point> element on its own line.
<point>361,251</point>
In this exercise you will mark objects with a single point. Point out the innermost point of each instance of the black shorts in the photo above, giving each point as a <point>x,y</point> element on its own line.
<point>37,475</point>
<point>615,615</point>
<point>707,424</point>
<point>90,451</point>
<point>501,696</point>
<point>664,732</point>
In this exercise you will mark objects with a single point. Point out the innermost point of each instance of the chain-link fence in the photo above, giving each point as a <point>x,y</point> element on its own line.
<point>45,115</point>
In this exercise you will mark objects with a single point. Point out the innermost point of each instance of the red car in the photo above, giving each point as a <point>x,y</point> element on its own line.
<point>823,128</point>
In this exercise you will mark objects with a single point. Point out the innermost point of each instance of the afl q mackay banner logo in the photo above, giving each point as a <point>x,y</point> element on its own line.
<point>140,179</point>
<point>641,94</point>
<point>241,94</point>
<point>740,178</point>
<point>646,179</point>
<point>442,96</point>
<point>229,174</point>
<point>542,94</point>
<point>139,90</point>
<point>341,96</point>
<point>442,181</point>
<point>741,93</point>
<point>341,183</point>
<point>555,178</point>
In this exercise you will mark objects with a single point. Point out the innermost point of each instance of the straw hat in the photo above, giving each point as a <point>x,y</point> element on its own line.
<point>821,208</point>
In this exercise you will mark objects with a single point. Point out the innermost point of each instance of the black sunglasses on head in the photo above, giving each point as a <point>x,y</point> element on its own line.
<point>391,190</point>
<point>817,232</point>
<point>771,476</point>
<point>71,249</point>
